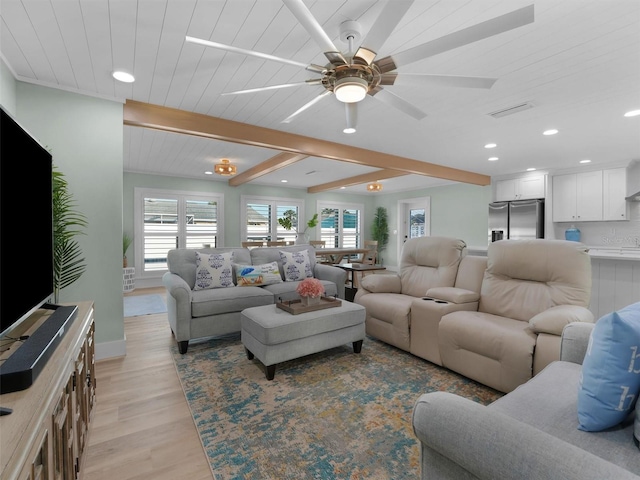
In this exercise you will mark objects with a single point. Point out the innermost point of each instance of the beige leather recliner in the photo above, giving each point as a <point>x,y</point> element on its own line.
<point>531,289</point>
<point>426,262</point>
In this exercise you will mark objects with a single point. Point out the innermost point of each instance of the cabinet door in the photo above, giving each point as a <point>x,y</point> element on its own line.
<point>614,186</point>
<point>506,190</point>
<point>589,196</point>
<point>530,187</point>
<point>564,198</point>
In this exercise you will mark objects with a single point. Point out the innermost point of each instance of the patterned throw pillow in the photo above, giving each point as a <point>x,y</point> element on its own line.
<point>610,380</point>
<point>296,265</point>
<point>257,275</point>
<point>213,271</point>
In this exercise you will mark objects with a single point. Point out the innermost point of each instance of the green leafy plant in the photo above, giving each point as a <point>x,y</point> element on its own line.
<point>289,219</point>
<point>68,262</point>
<point>380,228</point>
<point>126,243</point>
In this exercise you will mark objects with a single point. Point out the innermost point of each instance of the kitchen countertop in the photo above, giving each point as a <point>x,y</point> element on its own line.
<point>599,252</point>
<point>615,253</point>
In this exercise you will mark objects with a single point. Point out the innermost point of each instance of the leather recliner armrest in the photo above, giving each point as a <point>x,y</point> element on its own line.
<point>553,320</point>
<point>453,294</point>
<point>382,283</point>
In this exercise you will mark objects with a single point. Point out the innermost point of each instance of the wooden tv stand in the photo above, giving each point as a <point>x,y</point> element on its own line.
<point>46,434</point>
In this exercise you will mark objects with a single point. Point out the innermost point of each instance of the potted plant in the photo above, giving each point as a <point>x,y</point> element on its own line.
<point>68,262</point>
<point>380,229</point>
<point>289,219</point>
<point>126,243</point>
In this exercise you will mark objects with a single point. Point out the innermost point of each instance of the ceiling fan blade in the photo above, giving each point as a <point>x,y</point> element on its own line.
<point>311,25</point>
<point>315,81</point>
<point>501,24</point>
<point>306,105</point>
<point>253,53</point>
<point>425,80</point>
<point>393,100</point>
<point>391,14</point>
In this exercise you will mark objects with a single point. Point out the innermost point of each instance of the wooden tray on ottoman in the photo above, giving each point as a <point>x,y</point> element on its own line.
<point>295,307</point>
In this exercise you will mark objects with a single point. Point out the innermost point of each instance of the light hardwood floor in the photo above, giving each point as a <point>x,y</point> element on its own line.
<point>142,427</point>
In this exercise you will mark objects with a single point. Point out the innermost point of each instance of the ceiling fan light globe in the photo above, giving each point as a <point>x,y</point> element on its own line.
<point>351,89</point>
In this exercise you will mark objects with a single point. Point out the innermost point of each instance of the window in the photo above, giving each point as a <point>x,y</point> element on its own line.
<point>341,224</point>
<point>261,218</point>
<point>166,220</point>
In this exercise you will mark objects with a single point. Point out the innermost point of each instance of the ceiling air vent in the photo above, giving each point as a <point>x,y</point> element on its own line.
<point>511,110</point>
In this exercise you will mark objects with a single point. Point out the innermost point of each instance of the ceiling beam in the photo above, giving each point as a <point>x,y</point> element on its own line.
<point>139,114</point>
<point>271,165</point>
<point>357,180</point>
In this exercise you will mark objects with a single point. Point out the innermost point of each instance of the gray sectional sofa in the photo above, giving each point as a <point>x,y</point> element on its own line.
<point>210,312</point>
<point>530,433</point>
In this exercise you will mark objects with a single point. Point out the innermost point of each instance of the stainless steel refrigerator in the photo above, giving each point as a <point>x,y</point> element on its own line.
<point>521,219</point>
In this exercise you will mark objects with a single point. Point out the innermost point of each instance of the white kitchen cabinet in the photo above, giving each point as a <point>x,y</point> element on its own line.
<point>614,186</point>
<point>520,188</point>
<point>577,197</point>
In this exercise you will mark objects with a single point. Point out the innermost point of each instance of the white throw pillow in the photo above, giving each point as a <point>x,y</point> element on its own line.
<point>296,265</point>
<point>213,271</point>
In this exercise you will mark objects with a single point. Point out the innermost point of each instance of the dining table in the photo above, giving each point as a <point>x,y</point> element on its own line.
<point>336,255</point>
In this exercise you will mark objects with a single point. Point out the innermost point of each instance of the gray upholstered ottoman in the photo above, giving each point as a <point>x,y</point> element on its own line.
<point>275,336</point>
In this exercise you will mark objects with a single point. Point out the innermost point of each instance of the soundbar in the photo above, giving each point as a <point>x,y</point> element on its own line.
<point>22,368</point>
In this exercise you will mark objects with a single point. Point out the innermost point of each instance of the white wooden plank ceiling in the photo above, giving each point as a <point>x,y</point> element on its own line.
<point>578,64</point>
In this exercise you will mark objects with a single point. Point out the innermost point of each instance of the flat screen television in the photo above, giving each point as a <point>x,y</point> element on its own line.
<point>26,224</point>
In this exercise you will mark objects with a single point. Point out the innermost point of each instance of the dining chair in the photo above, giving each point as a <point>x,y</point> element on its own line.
<point>369,258</point>
<point>253,244</point>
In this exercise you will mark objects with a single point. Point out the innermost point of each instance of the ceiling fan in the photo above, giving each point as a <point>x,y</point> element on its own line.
<point>354,75</point>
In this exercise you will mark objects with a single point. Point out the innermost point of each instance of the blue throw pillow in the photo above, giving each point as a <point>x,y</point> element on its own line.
<point>610,380</point>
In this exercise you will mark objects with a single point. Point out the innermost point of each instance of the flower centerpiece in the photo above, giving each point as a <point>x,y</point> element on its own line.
<point>310,291</point>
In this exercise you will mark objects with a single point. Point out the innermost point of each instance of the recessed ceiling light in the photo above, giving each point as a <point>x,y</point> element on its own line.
<point>530,169</point>
<point>551,131</point>
<point>493,159</point>
<point>632,113</point>
<point>585,161</point>
<point>123,76</point>
<point>342,188</point>
<point>284,181</point>
<point>208,173</point>
<point>491,145</point>
<point>349,130</point>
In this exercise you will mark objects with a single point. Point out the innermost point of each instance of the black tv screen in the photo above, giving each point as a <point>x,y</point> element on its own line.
<point>26,224</point>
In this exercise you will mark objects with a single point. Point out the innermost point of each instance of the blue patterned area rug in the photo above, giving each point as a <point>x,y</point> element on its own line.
<point>330,415</point>
<point>136,305</point>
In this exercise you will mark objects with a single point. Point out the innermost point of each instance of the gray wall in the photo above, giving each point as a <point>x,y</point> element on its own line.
<point>457,210</point>
<point>84,135</point>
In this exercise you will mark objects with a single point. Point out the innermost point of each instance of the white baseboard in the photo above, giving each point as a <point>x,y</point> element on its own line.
<point>107,350</point>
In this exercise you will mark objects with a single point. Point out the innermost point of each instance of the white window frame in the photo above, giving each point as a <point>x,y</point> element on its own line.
<point>274,202</point>
<point>341,206</point>
<point>182,197</point>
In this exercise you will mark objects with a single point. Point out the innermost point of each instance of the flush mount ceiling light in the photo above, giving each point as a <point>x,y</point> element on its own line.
<point>493,159</point>
<point>351,89</point>
<point>551,131</point>
<point>490,145</point>
<point>632,113</point>
<point>123,76</point>
<point>374,187</point>
<point>585,161</point>
<point>225,168</point>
